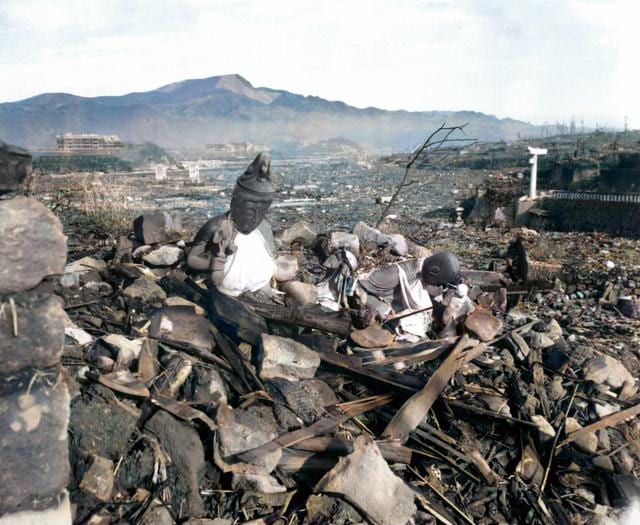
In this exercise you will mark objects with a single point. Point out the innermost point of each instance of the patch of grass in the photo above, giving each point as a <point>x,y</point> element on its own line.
<point>107,207</point>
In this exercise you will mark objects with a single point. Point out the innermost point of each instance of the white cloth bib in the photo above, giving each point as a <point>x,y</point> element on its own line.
<point>250,267</point>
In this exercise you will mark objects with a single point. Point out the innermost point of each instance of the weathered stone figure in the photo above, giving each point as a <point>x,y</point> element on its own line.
<point>409,286</point>
<point>237,247</point>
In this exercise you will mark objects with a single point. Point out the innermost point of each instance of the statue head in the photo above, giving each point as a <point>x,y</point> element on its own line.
<point>440,269</point>
<point>252,195</point>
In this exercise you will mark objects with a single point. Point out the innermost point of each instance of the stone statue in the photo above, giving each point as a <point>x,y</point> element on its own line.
<point>408,287</point>
<point>237,247</point>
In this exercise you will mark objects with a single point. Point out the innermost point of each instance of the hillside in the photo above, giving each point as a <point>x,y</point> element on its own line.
<point>228,108</point>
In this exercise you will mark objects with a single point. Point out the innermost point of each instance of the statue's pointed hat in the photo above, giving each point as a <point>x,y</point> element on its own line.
<point>256,180</point>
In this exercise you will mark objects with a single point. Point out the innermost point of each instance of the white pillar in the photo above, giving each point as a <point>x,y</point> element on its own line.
<point>161,172</point>
<point>534,169</point>
<point>194,173</point>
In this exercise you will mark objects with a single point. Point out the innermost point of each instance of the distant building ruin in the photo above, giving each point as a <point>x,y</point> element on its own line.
<point>237,148</point>
<point>87,142</point>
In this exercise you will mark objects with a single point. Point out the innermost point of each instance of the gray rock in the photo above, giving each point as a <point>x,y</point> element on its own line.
<point>242,430</point>
<point>157,514</point>
<point>99,479</point>
<point>164,256</point>
<point>182,325</point>
<point>157,227</point>
<point>207,387</point>
<point>365,480</point>
<point>545,430</point>
<point>300,230</point>
<point>85,265</point>
<point>299,293</point>
<point>143,292</point>
<point>371,236</point>
<point>125,350</point>
<point>40,320</point>
<point>587,442</point>
<point>604,463</point>
<point>34,414</point>
<point>339,240</point>
<point>181,301</point>
<point>57,513</point>
<point>263,483</point>
<point>327,509</point>
<point>484,325</point>
<point>182,444</point>
<point>15,167</point>
<point>286,358</point>
<point>538,340</point>
<point>33,246</point>
<point>603,369</point>
<point>100,424</point>
<point>307,398</point>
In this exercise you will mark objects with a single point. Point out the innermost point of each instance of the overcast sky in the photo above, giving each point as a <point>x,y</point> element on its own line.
<point>535,60</point>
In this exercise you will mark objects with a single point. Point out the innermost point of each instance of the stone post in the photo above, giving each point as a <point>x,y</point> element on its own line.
<point>34,399</point>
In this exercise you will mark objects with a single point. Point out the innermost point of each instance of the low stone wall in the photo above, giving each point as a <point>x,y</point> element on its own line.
<point>616,218</point>
<point>34,398</point>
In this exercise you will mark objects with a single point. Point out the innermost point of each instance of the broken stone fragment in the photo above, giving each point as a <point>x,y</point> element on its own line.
<point>604,463</point>
<point>125,350</point>
<point>371,236</point>
<point>39,320</point>
<point>15,167</point>
<point>33,246</point>
<point>365,480</point>
<point>242,430</point>
<point>538,340</point>
<point>484,325</point>
<point>339,240</point>
<point>587,441</point>
<point>286,268</point>
<point>207,387</point>
<point>327,509</point>
<point>157,514</point>
<point>373,336</point>
<point>307,398</point>
<point>283,357</point>
<point>58,512</point>
<point>263,483</point>
<point>530,468</point>
<point>301,230</point>
<point>603,369</point>
<point>545,430</point>
<point>143,292</point>
<point>164,256</point>
<point>85,265</point>
<point>34,414</point>
<point>100,424</point>
<point>157,227</point>
<point>181,442</point>
<point>180,324</point>
<point>181,301</point>
<point>99,479</point>
<point>299,293</point>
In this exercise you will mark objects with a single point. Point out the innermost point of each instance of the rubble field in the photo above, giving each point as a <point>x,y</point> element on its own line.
<point>192,407</point>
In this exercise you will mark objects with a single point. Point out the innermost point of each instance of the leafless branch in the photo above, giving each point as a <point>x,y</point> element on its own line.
<point>432,146</point>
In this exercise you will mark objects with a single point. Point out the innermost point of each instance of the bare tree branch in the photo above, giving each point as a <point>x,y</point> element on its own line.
<point>440,148</point>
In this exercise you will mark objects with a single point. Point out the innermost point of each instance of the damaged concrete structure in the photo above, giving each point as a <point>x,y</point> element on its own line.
<point>34,399</point>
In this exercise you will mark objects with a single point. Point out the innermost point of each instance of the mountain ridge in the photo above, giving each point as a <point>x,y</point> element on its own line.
<point>225,108</point>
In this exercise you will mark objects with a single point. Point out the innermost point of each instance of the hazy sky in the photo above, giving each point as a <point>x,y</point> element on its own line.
<point>536,60</point>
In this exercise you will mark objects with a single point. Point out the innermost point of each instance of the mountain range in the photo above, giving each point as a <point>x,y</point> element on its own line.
<point>227,108</point>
